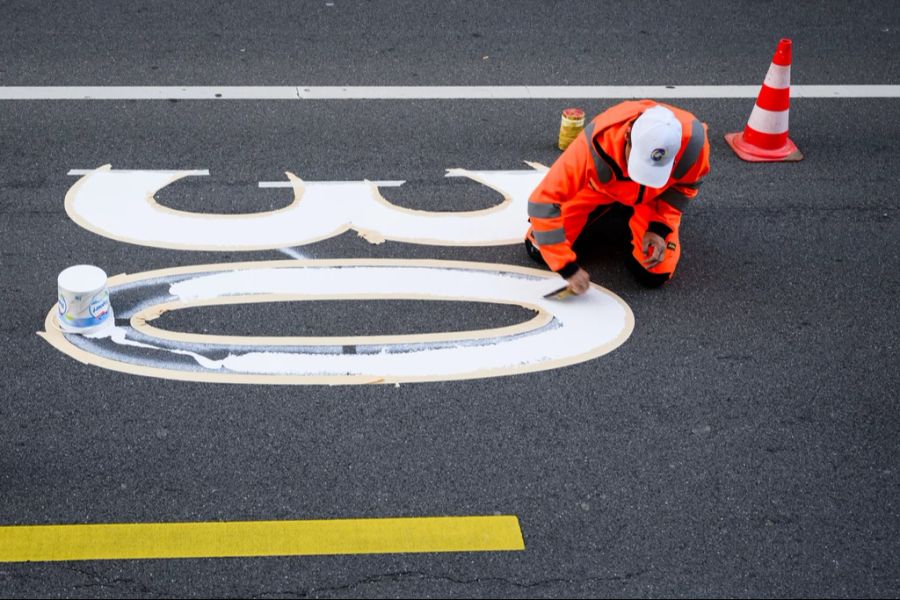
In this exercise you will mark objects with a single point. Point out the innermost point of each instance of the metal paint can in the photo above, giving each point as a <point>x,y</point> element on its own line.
<point>83,300</point>
<point>570,126</point>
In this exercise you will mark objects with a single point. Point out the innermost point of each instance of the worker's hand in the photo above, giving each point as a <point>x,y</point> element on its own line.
<point>654,248</point>
<point>579,282</point>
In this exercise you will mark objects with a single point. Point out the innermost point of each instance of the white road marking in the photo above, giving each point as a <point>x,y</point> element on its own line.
<point>288,184</point>
<point>198,172</point>
<point>560,333</point>
<point>121,205</point>
<point>514,92</point>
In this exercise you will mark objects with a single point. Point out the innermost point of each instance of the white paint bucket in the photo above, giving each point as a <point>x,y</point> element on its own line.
<point>83,300</point>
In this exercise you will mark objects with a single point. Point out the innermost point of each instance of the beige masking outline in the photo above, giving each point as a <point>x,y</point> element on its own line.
<point>140,322</point>
<point>56,338</point>
<point>297,185</point>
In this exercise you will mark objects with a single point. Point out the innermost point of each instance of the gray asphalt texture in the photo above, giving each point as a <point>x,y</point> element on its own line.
<point>742,443</point>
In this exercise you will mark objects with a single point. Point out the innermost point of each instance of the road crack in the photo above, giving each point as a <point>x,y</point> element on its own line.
<point>400,576</point>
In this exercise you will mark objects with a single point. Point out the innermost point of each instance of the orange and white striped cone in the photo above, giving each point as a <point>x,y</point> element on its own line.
<point>765,138</point>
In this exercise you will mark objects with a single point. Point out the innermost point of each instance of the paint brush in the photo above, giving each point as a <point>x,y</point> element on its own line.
<point>560,294</point>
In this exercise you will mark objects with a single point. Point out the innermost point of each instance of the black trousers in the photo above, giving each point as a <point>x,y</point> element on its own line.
<point>608,226</point>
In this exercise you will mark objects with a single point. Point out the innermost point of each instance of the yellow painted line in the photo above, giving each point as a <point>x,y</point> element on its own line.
<point>38,543</point>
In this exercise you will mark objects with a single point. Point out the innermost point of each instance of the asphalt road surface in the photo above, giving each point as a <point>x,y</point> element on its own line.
<point>743,442</point>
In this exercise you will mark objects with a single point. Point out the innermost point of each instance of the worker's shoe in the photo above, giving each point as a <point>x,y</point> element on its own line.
<point>645,277</point>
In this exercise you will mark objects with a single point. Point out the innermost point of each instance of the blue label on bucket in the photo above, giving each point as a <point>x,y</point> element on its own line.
<point>86,322</point>
<point>100,306</point>
<point>74,313</point>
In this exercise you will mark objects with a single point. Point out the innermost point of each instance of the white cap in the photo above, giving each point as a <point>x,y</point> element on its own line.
<point>655,140</point>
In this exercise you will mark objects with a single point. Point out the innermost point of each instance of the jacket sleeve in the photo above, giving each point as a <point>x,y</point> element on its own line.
<point>565,178</point>
<point>668,207</point>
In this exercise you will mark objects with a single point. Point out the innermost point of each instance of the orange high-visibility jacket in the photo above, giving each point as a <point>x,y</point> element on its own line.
<point>593,171</point>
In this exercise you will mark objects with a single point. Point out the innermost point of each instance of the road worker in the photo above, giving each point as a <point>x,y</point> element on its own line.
<point>642,157</point>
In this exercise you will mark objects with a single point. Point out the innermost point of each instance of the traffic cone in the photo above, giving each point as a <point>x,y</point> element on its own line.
<point>765,138</point>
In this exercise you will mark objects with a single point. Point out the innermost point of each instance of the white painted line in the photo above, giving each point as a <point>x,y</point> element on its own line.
<point>148,93</point>
<point>521,92</point>
<point>82,172</point>
<point>845,91</point>
<point>288,184</point>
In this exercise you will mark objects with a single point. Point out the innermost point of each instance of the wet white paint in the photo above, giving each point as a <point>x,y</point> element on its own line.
<point>584,322</point>
<point>120,336</point>
<point>119,204</point>
<point>582,327</point>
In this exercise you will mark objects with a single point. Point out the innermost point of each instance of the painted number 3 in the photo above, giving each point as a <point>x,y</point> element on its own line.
<point>120,205</point>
